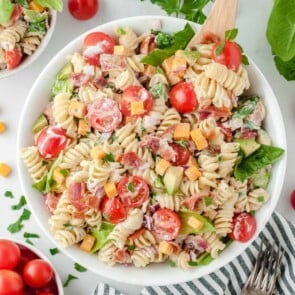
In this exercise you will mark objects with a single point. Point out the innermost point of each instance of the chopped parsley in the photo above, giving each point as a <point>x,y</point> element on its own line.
<point>120,31</point>
<point>28,241</point>
<point>131,247</point>
<point>64,172</point>
<point>22,202</point>
<point>69,279</point>
<point>18,225</point>
<point>220,158</point>
<point>109,158</point>
<point>181,143</point>
<point>130,186</point>
<point>208,201</point>
<point>31,235</point>
<point>9,194</point>
<point>171,263</point>
<point>79,267</point>
<point>53,251</point>
<point>260,199</point>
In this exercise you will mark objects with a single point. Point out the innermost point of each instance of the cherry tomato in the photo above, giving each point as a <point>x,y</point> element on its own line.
<point>83,9</point>
<point>11,283</point>
<point>113,210</point>
<point>244,227</point>
<point>133,191</point>
<point>37,273</point>
<point>136,93</point>
<point>104,115</point>
<point>182,154</point>
<point>95,44</point>
<point>13,58</point>
<point>9,254</point>
<point>51,141</point>
<point>166,224</point>
<point>17,12</point>
<point>230,56</point>
<point>183,97</point>
<point>292,199</point>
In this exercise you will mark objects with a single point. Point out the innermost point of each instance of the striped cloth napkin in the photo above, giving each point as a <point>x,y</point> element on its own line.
<point>230,279</point>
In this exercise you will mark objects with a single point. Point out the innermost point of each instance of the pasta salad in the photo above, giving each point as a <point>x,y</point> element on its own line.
<point>150,151</point>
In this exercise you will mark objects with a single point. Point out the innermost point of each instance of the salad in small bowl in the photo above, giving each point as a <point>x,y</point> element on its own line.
<point>25,30</point>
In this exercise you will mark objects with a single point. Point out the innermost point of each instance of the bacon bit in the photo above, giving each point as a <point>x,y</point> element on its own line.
<point>190,202</point>
<point>213,149</point>
<point>48,112</point>
<point>99,82</point>
<point>51,201</point>
<point>248,133</point>
<point>176,247</point>
<point>131,160</point>
<point>211,110</point>
<point>136,234</point>
<point>226,131</point>
<point>196,243</point>
<point>77,198</point>
<point>94,202</point>
<point>147,45</point>
<point>80,79</point>
<point>209,37</point>
<point>122,256</point>
<point>109,62</point>
<point>79,215</point>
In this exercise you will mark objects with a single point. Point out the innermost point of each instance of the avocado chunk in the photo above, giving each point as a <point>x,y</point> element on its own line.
<point>172,179</point>
<point>248,145</point>
<point>39,124</point>
<point>262,178</point>
<point>263,137</point>
<point>65,72</point>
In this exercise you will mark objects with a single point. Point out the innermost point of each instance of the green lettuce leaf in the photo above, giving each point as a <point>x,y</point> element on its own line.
<point>6,10</point>
<point>54,4</point>
<point>63,82</point>
<point>101,235</point>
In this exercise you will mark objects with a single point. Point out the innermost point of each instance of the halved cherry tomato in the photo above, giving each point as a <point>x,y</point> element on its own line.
<point>182,154</point>
<point>292,199</point>
<point>83,9</point>
<point>244,227</point>
<point>9,254</point>
<point>11,283</point>
<point>136,93</point>
<point>230,56</point>
<point>166,224</point>
<point>183,97</point>
<point>17,12</point>
<point>51,141</point>
<point>13,58</point>
<point>104,115</point>
<point>113,210</point>
<point>37,273</point>
<point>95,44</point>
<point>133,191</point>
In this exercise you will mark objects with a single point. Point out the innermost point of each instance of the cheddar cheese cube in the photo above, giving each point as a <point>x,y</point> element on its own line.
<point>77,108</point>
<point>2,127</point>
<point>162,166</point>
<point>137,108</point>
<point>97,153</point>
<point>36,7</point>
<point>192,173</point>
<point>182,131</point>
<point>195,223</point>
<point>174,68</point>
<point>121,50</point>
<point>165,248</point>
<point>87,243</point>
<point>110,189</point>
<point>83,127</point>
<point>149,71</point>
<point>5,170</point>
<point>199,139</point>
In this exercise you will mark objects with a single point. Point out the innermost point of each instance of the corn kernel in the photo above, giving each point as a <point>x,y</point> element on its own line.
<point>36,7</point>
<point>5,170</point>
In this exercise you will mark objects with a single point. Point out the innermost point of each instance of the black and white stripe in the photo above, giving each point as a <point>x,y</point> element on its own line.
<point>278,229</point>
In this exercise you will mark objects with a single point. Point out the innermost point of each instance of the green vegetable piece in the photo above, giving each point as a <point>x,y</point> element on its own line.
<point>41,185</point>
<point>262,178</point>
<point>31,235</point>
<point>159,90</point>
<point>65,72</point>
<point>69,279</point>
<point>130,186</point>
<point>245,60</point>
<point>248,145</point>
<point>286,68</point>
<point>231,34</point>
<point>181,39</point>
<point>264,156</point>
<point>247,107</point>
<point>50,183</point>
<point>54,4</point>
<point>208,201</point>
<point>18,225</point>
<point>78,267</point>
<point>6,10</point>
<point>9,194</point>
<point>63,83</point>
<point>53,251</point>
<point>187,229</point>
<point>219,49</point>
<point>22,202</point>
<point>280,29</point>
<point>39,27</point>
<point>202,260</point>
<point>193,10</point>
<point>172,179</point>
<point>34,16</point>
<point>159,182</point>
<point>39,124</point>
<point>164,40</point>
<point>101,235</point>
<point>23,3</point>
<point>109,158</point>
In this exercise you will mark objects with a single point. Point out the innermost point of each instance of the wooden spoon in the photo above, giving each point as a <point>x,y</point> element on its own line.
<point>220,19</point>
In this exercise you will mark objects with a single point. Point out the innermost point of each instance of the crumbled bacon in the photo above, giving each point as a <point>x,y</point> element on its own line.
<point>94,202</point>
<point>122,256</point>
<point>248,133</point>
<point>76,194</point>
<point>226,131</point>
<point>51,201</point>
<point>131,160</point>
<point>147,45</point>
<point>99,82</point>
<point>80,79</point>
<point>211,110</point>
<point>197,243</point>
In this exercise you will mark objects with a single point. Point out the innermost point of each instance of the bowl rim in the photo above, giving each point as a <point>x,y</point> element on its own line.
<point>41,48</point>
<point>42,256</point>
<point>183,275</point>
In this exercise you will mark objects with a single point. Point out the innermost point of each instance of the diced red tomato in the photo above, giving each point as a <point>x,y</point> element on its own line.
<point>230,55</point>
<point>243,228</point>
<point>17,12</point>
<point>166,224</point>
<point>51,141</point>
<point>104,115</point>
<point>136,93</point>
<point>113,210</point>
<point>131,160</point>
<point>182,154</point>
<point>13,58</point>
<point>95,44</point>
<point>133,191</point>
<point>292,199</point>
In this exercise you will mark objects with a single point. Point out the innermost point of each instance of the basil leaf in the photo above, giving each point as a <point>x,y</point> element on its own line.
<point>39,27</point>
<point>101,235</point>
<point>264,156</point>
<point>231,34</point>
<point>245,60</point>
<point>181,39</point>
<point>23,3</point>
<point>6,10</point>
<point>219,49</point>
<point>34,16</point>
<point>54,4</point>
<point>286,68</point>
<point>246,108</point>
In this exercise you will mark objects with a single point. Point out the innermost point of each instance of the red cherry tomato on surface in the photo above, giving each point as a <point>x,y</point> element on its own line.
<point>11,283</point>
<point>166,224</point>
<point>182,154</point>
<point>9,254</point>
<point>45,293</point>
<point>136,93</point>
<point>13,58</point>
<point>133,191</point>
<point>37,273</point>
<point>230,56</point>
<point>17,12</point>
<point>51,141</point>
<point>183,97</point>
<point>95,44</point>
<point>244,227</point>
<point>83,9</point>
<point>292,199</point>
<point>113,210</point>
<point>104,115</point>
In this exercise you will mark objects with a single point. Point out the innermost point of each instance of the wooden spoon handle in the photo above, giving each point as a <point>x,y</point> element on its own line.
<point>220,19</point>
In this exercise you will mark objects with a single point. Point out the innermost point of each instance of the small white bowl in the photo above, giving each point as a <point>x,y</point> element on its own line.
<point>157,274</point>
<point>42,256</point>
<point>30,59</point>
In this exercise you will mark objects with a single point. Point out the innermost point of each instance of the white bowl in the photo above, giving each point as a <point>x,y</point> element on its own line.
<point>42,256</point>
<point>30,59</point>
<point>154,274</point>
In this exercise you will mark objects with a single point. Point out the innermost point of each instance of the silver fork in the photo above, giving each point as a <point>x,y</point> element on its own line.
<point>262,279</point>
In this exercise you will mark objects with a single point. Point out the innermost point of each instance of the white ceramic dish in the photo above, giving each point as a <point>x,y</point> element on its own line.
<point>30,59</point>
<point>154,274</point>
<point>42,256</point>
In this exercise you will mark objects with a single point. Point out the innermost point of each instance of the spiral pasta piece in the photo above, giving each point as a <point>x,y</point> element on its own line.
<point>125,79</point>
<point>209,165</point>
<point>134,64</point>
<point>69,237</point>
<point>93,218</point>
<point>30,42</point>
<point>171,117</point>
<point>229,155</point>
<point>106,253</point>
<point>256,199</point>
<point>211,131</point>
<point>146,239</point>
<point>215,245</point>
<point>141,257</point>
<point>169,202</point>
<point>129,40</point>
<point>181,260</point>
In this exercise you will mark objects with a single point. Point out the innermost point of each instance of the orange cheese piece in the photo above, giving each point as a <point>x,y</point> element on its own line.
<point>192,173</point>
<point>199,139</point>
<point>182,131</point>
<point>162,166</point>
<point>87,243</point>
<point>110,189</point>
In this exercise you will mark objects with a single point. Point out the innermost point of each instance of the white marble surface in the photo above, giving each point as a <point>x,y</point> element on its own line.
<point>251,21</point>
